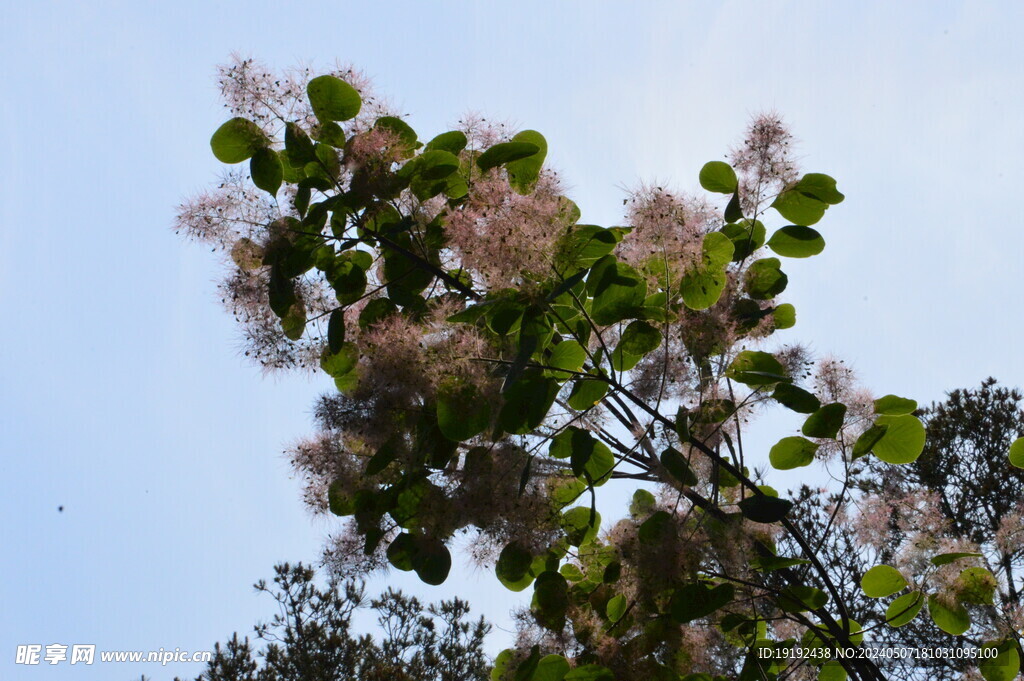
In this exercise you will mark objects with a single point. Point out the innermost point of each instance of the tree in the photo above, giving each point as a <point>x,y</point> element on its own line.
<point>311,638</point>
<point>957,496</point>
<point>497,363</point>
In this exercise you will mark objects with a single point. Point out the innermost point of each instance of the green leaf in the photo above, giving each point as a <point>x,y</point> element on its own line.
<point>702,285</point>
<point>657,529</point>
<point>976,585</point>
<point>551,668</point>
<point>582,246</point>
<point>586,393</point>
<point>832,671</point>
<point>299,149</point>
<point>792,452</point>
<point>825,422</point>
<point>904,609</point>
<point>337,364</point>
<point>402,130</point>
<point>1017,453</point>
<point>639,338</point>
<point>801,598</point>
<point>678,467</point>
<point>799,208</point>
<point>431,560</point>
<point>755,368</point>
<point>1003,667</point>
<point>868,439</point>
<point>891,405</point>
<point>797,241</point>
<point>551,597</point>
<point>796,398</point>
<point>953,620</point>
<point>947,558</point>
<point>903,441</point>
<point>694,601</point>
<point>764,279</point>
<point>462,412</point>
<point>527,402</point>
<point>266,170</point>
<point>336,331</point>
<point>718,177</point>
<point>819,186</point>
<point>524,173</point>
<point>590,672</point>
<point>765,509</point>
<point>568,355</point>
<point>618,291</point>
<point>339,502</point>
<point>333,99</point>
<point>237,140</point>
<point>513,567</point>
<point>506,152</point>
<point>437,164</point>
<point>616,607</point>
<point>293,323</point>
<point>746,237</point>
<point>576,522</point>
<point>784,316</point>
<point>401,550</point>
<point>881,581</point>
<point>453,142</point>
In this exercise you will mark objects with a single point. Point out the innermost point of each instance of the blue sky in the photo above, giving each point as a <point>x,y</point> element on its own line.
<point>122,393</point>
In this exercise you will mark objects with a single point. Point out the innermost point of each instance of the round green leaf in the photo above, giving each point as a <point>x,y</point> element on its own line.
<point>616,607</point>
<point>765,509</point>
<point>1017,453</point>
<point>792,452</point>
<point>797,241</point>
<point>764,280</point>
<point>551,668</point>
<point>639,338</point>
<point>832,671</point>
<point>506,152</point>
<point>551,597</point>
<point>462,413</point>
<point>784,316</point>
<point>677,466</point>
<point>524,173</point>
<point>881,581</point>
<point>976,585</point>
<point>903,441</point>
<point>401,550</point>
<point>333,99</point>
<point>953,621</point>
<point>586,393</point>
<point>746,237</point>
<point>825,422</point>
<point>799,208</point>
<point>431,560</point>
<point>1003,667</point>
<point>891,405</point>
<point>453,142</point>
<point>237,140</point>
<point>513,567</point>
<point>693,601</point>
<point>819,186</point>
<point>719,177</point>
<point>756,368</point>
<point>904,609</point>
<point>577,526</point>
<point>795,398</point>
<point>590,672</point>
<point>568,355</point>
<point>266,170</point>
<point>800,598</point>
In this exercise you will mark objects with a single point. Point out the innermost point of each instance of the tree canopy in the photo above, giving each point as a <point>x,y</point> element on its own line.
<point>497,363</point>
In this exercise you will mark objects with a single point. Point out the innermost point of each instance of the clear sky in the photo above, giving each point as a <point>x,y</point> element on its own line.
<point>123,397</point>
